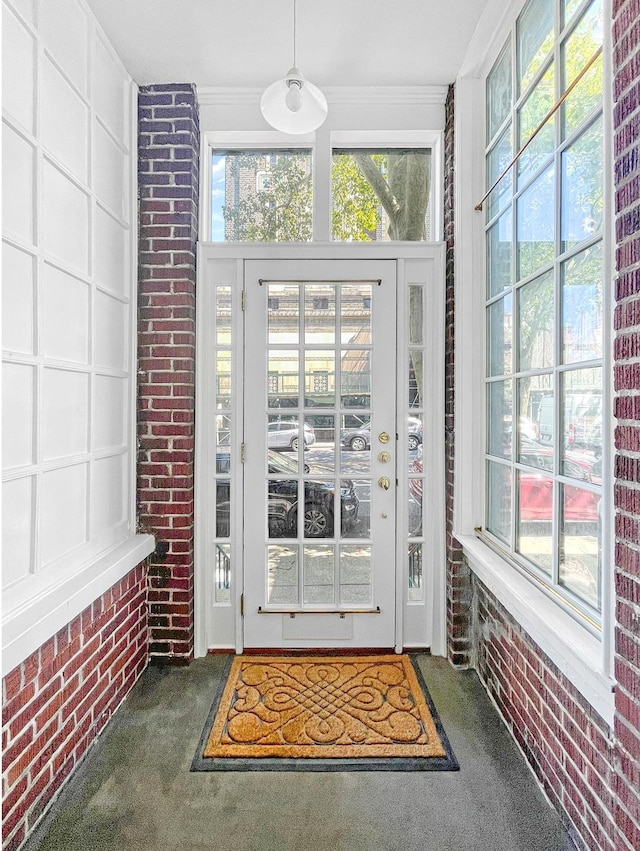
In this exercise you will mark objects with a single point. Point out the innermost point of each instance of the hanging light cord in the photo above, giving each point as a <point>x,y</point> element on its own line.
<point>295,65</point>
<point>551,112</point>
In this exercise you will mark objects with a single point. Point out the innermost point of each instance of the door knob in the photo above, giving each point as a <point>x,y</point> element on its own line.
<point>384,457</point>
<point>384,482</point>
<point>383,437</point>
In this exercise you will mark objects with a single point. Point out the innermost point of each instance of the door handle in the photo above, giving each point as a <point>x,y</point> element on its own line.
<point>384,482</point>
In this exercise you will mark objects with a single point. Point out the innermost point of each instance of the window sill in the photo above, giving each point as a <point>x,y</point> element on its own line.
<point>41,607</point>
<point>571,647</point>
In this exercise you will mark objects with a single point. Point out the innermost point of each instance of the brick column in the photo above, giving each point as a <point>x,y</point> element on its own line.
<point>626,148</point>
<point>458,574</point>
<point>168,172</point>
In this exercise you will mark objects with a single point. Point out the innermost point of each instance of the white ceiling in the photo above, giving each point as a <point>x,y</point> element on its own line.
<point>249,43</point>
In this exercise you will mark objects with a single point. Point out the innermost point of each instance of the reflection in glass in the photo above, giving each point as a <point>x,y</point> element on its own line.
<point>498,159</point>
<point>356,439</point>
<point>416,377</point>
<point>282,508</point>
<point>415,433</point>
<point>320,377</point>
<point>355,575</point>
<point>355,375</point>
<point>318,510</point>
<point>534,34</point>
<point>282,577</point>
<point>530,114</point>
<point>570,7</point>
<point>535,516</point>
<point>546,418</point>
<point>500,321</point>
<point>416,585</point>
<point>580,544</point>
<point>415,314</point>
<point>582,414</point>
<point>283,379</point>
<point>355,505</point>
<point>576,52</point>
<point>223,428</point>
<point>536,304</point>
<point>319,313</point>
<point>222,579</point>
<point>535,455</point>
<point>355,313</point>
<point>223,503</point>
<point>323,462</point>
<point>582,306</point>
<point>498,93</point>
<point>283,314</point>
<point>284,433</point>
<point>536,225</point>
<point>582,200</point>
<point>531,391</point>
<point>223,316</point>
<point>414,497</point>
<point>499,500</point>
<point>499,243</point>
<point>500,415</point>
<point>318,571</point>
<point>223,374</point>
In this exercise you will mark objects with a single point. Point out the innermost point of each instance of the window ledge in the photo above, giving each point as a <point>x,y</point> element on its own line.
<point>571,647</point>
<point>43,607</point>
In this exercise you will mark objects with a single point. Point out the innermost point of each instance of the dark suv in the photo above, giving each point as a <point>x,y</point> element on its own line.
<point>283,500</point>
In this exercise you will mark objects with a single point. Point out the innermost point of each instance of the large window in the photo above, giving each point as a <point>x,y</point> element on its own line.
<point>380,194</point>
<point>544,300</point>
<point>261,196</point>
<point>267,193</point>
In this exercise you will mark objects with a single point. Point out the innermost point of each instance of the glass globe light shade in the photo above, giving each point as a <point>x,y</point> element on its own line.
<point>293,104</point>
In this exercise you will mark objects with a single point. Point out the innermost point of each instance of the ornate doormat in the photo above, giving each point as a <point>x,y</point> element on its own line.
<point>323,713</point>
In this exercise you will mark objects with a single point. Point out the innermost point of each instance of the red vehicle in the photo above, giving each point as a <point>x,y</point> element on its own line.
<point>536,488</point>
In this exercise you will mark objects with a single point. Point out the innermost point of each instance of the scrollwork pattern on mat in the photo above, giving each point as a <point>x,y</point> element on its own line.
<point>304,703</point>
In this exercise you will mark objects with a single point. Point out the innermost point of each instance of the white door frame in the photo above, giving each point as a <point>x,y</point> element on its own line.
<point>414,261</point>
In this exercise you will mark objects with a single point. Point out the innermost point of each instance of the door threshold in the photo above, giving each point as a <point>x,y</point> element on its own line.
<point>318,651</point>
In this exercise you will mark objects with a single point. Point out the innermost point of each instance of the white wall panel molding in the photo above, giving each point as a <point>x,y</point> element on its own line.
<point>69,310</point>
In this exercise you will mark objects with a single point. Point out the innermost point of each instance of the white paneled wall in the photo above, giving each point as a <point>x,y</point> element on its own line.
<point>68,297</point>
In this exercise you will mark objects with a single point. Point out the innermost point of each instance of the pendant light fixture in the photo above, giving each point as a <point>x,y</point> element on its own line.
<point>293,104</point>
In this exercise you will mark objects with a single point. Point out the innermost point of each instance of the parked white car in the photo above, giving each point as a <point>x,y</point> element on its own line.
<point>285,434</point>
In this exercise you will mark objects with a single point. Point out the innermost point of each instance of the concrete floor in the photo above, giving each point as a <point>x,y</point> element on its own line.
<point>134,792</point>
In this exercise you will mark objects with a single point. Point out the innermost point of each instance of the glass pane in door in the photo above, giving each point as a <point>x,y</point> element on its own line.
<point>319,528</point>
<point>318,482</point>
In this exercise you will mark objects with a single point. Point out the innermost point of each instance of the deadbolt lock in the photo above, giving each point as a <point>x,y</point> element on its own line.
<point>384,482</point>
<point>383,437</point>
<point>384,457</point>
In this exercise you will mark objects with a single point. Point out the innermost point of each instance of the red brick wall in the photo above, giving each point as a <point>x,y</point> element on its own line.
<point>626,150</point>
<point>458,574</point>
<point>168,174</point>
<point>59,699</point>
<point>564,740</point>
<point>591,773</point>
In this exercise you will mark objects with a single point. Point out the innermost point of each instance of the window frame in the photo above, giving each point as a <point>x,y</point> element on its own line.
<point>321,147</point>
<point>581,653</point>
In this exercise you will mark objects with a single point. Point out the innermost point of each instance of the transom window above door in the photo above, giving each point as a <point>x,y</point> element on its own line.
<point>342,192</point>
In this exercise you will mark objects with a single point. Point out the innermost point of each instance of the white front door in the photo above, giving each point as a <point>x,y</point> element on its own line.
<point>320,454</point>
<point>332,347</point>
